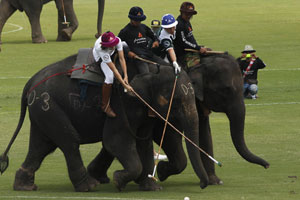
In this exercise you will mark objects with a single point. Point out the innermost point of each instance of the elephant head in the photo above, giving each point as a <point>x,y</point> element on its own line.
<point>156,89</point>
<point>221,82</point>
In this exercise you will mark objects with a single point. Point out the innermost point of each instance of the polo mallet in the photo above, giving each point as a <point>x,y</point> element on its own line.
<point>207,52</point>
<point>164,131</point>
<point>65,18</point>
<point>145,60</point>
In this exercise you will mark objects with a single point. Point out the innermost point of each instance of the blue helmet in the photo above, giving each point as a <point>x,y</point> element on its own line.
<point>168,21</point>
<point>136,14</point>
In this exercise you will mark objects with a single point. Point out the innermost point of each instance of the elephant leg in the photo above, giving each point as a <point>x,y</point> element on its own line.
<point>60,130</point>
<point>122,145</point>
<point>39,148</point>
<point>172,146</point>
<point>6,10</point>
<point>65,31</point>
<point>99,166</point>
<point>205,142</point>
<point>145,151</point>
<point>33,11</point>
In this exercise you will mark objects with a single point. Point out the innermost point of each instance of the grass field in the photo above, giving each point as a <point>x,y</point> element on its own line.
<point>272,121</point>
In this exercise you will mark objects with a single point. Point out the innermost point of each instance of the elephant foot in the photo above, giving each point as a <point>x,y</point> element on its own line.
<point>65,35</point>
<point>149,184</point>
<point>101,177</point>
<point>86,185</point>
<point>39,39</point>
<point>162,170</point>
<point>24,181</point>
<point>214,180</point>
<point>119,180</point>
<point>204,184</point>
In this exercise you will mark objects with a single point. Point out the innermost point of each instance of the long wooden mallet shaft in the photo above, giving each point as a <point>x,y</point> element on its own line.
<point>164,130</point>
<point>65,18</point>
<point>207,52</point>
<point>145,60</point>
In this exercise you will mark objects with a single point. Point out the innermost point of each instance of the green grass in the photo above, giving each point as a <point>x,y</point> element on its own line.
<point>272,121</point>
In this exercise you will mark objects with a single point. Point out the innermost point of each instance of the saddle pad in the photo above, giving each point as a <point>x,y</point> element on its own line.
<point>93,72</point>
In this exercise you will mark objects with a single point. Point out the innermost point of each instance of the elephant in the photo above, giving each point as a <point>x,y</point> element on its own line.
<point>56,113</point>
<point>218,86</point>
<point>219,78</point>
<point>33,10</point>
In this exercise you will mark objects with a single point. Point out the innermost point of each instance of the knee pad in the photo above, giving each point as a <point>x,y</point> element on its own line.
<point>253,89</point>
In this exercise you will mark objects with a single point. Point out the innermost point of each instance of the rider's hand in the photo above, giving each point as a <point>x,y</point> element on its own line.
<point>126,79</point>
<point>155,44</point>
<point>128,88</point>
<point>176,67</point>
<point>131,54</point>
<point>203,50</point>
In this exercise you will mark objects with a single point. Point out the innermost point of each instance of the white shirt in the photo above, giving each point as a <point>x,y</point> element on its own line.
<point>105,54</point>
<point>166,39</point>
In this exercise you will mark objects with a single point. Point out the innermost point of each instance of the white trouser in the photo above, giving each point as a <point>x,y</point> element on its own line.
<point>109,75</point>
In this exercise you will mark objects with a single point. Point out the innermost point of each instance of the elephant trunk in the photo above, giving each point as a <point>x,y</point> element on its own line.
<point>236,117</point>
<point>191,130</point>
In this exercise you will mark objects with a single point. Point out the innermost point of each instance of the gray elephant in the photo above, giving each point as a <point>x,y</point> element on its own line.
<point>59,120</point>
<point>33,10</point>
<point>218,86</point>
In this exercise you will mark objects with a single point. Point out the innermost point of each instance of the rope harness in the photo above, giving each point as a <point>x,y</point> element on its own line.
<point>84,68</point>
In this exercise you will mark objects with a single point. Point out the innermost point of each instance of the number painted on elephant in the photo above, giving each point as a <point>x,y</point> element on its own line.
<point>187,88</point>
<point>31,98</point>
<point>46,98</point>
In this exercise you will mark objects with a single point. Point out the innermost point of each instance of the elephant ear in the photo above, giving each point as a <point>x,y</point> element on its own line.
<point>196,76</point>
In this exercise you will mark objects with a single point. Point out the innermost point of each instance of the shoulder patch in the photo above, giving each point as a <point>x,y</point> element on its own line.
<point>167,43</point>
<point>106,58</point>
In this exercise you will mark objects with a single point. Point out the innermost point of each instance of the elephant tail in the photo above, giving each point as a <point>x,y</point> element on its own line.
<point>4,161</point>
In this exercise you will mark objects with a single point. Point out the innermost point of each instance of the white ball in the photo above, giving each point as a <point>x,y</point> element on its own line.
<point>186,198</point>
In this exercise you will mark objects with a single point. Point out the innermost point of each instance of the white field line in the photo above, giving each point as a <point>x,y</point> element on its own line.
<point>271,104</point>
<point>15,30</point>
<point>17,77</point>
<point>88,198</point>
<point>289,69</point>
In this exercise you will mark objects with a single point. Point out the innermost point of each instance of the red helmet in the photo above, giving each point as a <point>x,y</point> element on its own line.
<point>108,39</point>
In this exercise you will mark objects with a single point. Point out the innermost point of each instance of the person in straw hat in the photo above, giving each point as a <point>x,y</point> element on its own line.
<point>104,48</point>
<point>249,65</point>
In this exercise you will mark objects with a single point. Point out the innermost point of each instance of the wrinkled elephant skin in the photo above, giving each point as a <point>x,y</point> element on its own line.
<point>60,120</point>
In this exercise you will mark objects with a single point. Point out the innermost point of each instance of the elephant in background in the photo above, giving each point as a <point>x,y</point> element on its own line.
<point>59,120</point>
<point>33,10</point>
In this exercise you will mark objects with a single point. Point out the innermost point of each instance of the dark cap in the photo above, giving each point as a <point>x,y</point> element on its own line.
<point>155,23</point>
<point>137,14</point>
<point>188,7</point>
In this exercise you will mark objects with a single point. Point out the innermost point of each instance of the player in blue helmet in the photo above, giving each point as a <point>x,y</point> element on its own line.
<point>166,37</point>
